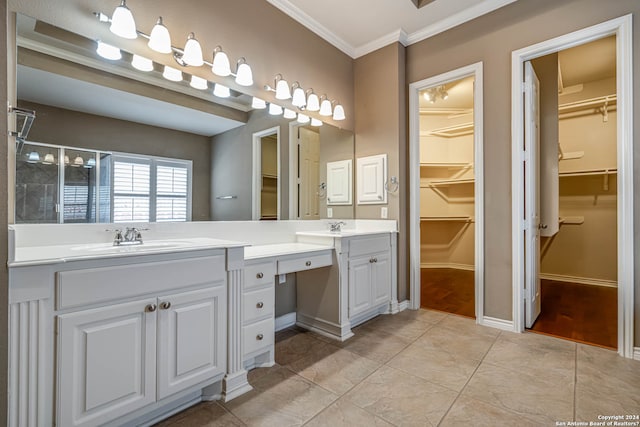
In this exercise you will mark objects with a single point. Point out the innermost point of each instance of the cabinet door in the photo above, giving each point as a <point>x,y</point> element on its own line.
<point>359,285</point>
<point>191,338</point>
<point>106,363</point>
<point>370,180</point>
<point>381,278</point>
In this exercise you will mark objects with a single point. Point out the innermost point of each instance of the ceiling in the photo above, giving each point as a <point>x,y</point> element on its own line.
<point>588,62</point>
<point>460,97</point>
<point>358,27</point>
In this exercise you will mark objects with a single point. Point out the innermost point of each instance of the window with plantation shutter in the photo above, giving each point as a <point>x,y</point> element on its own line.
<point>172,190</point>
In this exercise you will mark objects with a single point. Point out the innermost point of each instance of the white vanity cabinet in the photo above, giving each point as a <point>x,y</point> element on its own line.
<point>258,311</point>
<point>369,282</point>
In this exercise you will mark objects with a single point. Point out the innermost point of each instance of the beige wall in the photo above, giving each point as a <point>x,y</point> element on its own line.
<point>270,41</point>
<point>71,128</point>
<point>336,144</point>
<point>491,39</point>
<point>381,122</point>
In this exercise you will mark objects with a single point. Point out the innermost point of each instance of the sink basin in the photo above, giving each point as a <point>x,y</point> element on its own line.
<point>148,245</point>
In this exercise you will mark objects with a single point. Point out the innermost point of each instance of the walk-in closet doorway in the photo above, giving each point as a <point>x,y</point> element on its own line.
<point>446,155</point>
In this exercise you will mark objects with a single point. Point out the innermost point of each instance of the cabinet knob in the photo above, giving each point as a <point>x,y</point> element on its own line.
<point>260,304</point>
<point>308,263</point>
<point>371,260</point>
<point>259,276</point>
<point>165,305</point>
<point>375,260</point>
<point>150,308</point>
<point>259,337</point>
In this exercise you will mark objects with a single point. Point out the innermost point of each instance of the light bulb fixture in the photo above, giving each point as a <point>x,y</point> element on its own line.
<point>275,110</point>
<point>299,98</point>
<point>303,118</point>
<point>198,83</point>
<point>427,95</point>
<point>49,159</point>
<point>282,88</point>
<point>325,107</point>
<point>338,113</point>
<point>141,63</point>
<point>77,162</point>
<point>221,91</point>
<point>172,74</point>
<point>289,114</point>
<point>258,103</point>
<point>90,163</point>
<point>316,122</point>
<point>34,157</point>
<point>66,160</point>
<point>122,22</point>
<point>101,17</point>
<point>108,52</point>
<point>192,54</point>
<point>313,102</point>
<point>159,39</point>
<point>442,91</point>
<point>221,66</point>
<point>244,75</point>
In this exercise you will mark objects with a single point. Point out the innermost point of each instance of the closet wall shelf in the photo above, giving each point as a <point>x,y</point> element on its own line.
<point>447,182</point>
<point>450,165</point>
<point>571,220</point>
<point>451,131</point>
<point>446,219</point>
<point>269,176</point>
<point>586,172</point>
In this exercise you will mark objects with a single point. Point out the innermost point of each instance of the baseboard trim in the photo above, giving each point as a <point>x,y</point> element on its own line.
<point>492,322</point>
<point>285,321</point>
<point>403,305</point>
<point>580,280</point>
<point>468,267</point>
<point>636,353</point>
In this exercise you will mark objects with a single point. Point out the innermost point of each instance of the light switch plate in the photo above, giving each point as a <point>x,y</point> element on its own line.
<point>384,212</point>
<point>282,278</point>
<point>329,212</point>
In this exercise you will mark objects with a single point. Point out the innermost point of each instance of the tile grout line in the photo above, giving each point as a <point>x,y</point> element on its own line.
<point>469,380</point>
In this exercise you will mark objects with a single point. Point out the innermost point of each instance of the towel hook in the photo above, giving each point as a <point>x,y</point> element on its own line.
<point>392,185</point>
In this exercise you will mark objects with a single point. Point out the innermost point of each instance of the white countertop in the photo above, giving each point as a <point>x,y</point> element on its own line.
<point>343,233</point>
<point>281,249</point>
<point>40,255</point>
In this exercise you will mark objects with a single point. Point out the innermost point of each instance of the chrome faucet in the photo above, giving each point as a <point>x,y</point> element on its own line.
<point>336,226</point>
<point>131,236</point>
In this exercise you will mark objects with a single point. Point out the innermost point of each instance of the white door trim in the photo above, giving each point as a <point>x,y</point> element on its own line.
<point>293,169</point>
<point>622,28</point>
<point>257,171</point>
<point>414,187</point>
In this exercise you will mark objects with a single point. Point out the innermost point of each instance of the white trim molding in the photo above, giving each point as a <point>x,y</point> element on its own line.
<point>622,29</point>
<point>398,36</point>
<point>285,321</point>
<point>474,70</point>
<point>451,265</point>
<point>580,280</point>
<point>257,171</point>
<point>492,322</point>
<point>636,353</point>
<point>402,306</point>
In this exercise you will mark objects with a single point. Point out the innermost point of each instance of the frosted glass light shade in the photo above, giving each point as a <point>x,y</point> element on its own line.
<point>282,90</point>
<point>221,66</point>
<point>325,108</point>
<point>221,91</point>
<point>122,22</point>
<point>258,104</point>
<point>338,113</point>
<point>244,76</point>
<point>313,103</point>
<point>289,114</point>
<point>198,83</point>
<point>78,161</point>
<point>141,63</point>
<point>192,52</point>
<point>66,160</point>
<point>299,98</point>
<point>108,52</point>
<point>48,159</point>
<point>172,74</point>
<point>316,122</point>
<point>159,39</point>
<point>275,110</point>
<point>303,118</point>
<point>33,157</point>
<point>90,163</point>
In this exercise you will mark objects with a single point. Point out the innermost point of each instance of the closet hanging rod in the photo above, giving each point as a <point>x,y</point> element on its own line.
<point>587,103</point>
<point>590,172</point>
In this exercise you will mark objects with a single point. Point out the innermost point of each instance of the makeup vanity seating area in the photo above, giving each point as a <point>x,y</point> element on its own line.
<point>128,335</point>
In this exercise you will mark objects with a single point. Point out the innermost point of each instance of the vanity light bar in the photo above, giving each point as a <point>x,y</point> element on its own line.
<point>305,100</point>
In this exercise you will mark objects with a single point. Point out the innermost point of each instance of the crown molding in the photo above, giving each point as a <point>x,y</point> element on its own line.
<point>396,36</point>
<point>297,14</point>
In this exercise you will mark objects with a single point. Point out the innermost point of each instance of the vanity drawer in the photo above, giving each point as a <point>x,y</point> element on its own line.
<point>259,275</point>
<point>305,263</point>
<point>78,288</point>
<point>258,304</point>
<point>258,336</point>
<point>369,245</point>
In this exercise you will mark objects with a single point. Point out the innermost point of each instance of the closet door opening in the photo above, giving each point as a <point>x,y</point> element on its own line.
<point>448,197</point>
<point>576,283</point>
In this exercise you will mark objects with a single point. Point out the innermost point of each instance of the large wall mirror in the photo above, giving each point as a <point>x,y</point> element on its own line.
<point>111,143</point>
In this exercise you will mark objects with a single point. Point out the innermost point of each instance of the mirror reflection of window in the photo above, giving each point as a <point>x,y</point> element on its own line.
<point>79,190</point>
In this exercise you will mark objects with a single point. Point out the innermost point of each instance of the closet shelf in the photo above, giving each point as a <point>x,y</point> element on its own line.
<point>585,172</point>
<point>450,165</point>
<point>451,131</point>
<point>446,219</point>
<point>571,220</point>
<point>447,182</point>
<point>269,176</point>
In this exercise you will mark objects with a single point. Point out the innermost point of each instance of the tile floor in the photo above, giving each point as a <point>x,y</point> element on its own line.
<point>426,368</point>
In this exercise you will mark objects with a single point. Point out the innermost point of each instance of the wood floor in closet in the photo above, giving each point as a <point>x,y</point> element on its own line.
<point>448,289</point>
<point>583,313</point>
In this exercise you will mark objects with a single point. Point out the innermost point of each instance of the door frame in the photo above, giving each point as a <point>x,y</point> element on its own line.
<point>622,29</point>
<point>474,70</point>
<point>257,171</point>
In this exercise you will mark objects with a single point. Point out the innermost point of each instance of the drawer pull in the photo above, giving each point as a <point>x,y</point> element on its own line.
<point>150,308</point>
<point>260,304</point>
<point>259,337</point>
<point>165,305</point>
<point>308,263</point>
<point>375,260</point>
<point>259,276</point>
<point>371,260</point>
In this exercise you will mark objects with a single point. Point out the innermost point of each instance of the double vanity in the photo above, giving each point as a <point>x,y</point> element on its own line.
<point>127,335</point>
